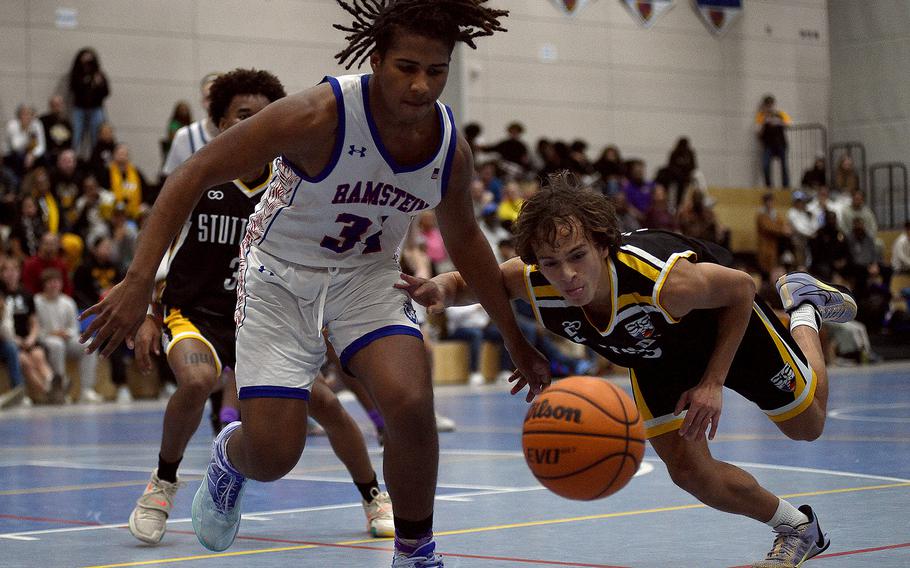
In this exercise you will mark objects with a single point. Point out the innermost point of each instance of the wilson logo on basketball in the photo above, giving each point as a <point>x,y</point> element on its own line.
<point>543,409</point>
<point>546,456</point>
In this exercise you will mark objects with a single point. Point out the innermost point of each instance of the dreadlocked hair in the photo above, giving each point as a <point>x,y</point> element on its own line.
<point>564,204</point>
<point>241,82</point>
<point>449,20</point>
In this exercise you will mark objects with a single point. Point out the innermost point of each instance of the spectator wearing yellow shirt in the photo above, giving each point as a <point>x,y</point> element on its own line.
<point>126,182</point>
<point>771,124</point>
<point>510,204</point>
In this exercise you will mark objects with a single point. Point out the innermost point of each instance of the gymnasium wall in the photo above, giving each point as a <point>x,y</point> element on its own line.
<point>611,81</point>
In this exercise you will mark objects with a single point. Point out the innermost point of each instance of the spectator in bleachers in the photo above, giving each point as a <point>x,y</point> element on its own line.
<point>47,256</point>
<point>472,324</point>
<point>865,257</point>
<point>126,182</point>
<point>57,318</point>
<point>189,139</point>
<point>512,149</point>
<point>180,117</point>
<point>88,87</point>
<point>23,141</point>
<point>58,130</point>
<point>123,237</point>
<point>480,197</point>
<point>858,209</point>
<point>27,230</point>
<point>846,179</point>
<point>65,181</point>
<point>472,132</point>
<point>829,251</point>
<point>816,176</point>
<point>32,356</point>
<point>492,229</point>
<point>431,242</point>
<point>626,216</point>
<point>771,124</point>
<point>547,158</point>
<point>772,232</point>
<point>9,353</point>
<point>579,163</point>
<point>900,251</point>
<point>637,189</point>
<point>677,174</point>
<point>696,219</point>
<point>38,185</point>
<point>491,177</point>
<point>803,226</point>
<point>821,204</point>
<point>611,168</point>
<point>102,153</point>
<point>659,216</point>
<point>9,197</point>
<point>510,204</point>
<point>92,210</point>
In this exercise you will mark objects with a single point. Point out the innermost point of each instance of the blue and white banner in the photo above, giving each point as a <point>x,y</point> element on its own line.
<point>718,15</point>
<point>570,7</point>
<point>646,12</point>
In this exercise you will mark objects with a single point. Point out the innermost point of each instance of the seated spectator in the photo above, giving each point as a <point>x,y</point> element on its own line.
<point>846,178</point>
<point>58,130</point>
<point>579,164</point>
<point>21,304</point>
<point>821,204</point>
<point>102,153</point>
<point>900,251</point>
<point>611,169</point>
<point>510,204</point>
<point>431,242</point>
<point>816,176</point>
<point>38,185</point>
<point>47,256</point>
<point>548,159</point>
<point>480,197</point>
<point>625,215</point>
<point>126,182</point>
<point>638,191</point>
<point>9,353</point>
<point>865,258</point>
<point>697,220</point>
<point>57,318</point>
<point>773,231</point>
<point>802,228</point>
<point>858,209</point>
<point>23,141</point>
<point>29,227</point>
<point>677,174</point>
<point>180,117</point>
<point>123,238</point>
<point>511,149</point>
<point>659,215</point>
<point>829,251</point>
<point>65,180</point>
<point>472,324</point>
<point>94,207</point>
<point>490,176</point>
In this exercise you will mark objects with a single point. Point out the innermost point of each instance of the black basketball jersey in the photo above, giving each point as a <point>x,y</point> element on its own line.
<point>202,262</point>
<point>640,331</point>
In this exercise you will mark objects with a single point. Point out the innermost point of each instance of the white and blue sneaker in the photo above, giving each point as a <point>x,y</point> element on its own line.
<point>216,506</point>
<point>423,557</point>
<point>833,303</point>
<point>794,545</point>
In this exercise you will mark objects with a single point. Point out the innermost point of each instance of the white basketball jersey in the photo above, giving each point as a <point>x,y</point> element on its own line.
<point>358,209</point>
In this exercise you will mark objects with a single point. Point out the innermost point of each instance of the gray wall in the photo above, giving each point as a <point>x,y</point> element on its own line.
<point>870,76</point>
<point>612,82</point>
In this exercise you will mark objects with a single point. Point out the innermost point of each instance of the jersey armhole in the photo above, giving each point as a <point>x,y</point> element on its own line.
<point>339,138</point>
<point>662,277</point>
<point>532,299</point>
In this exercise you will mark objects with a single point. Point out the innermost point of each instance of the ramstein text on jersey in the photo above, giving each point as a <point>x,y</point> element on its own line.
<point>380,194</point>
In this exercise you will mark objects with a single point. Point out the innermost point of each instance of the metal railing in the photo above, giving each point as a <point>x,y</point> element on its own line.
<point>888,196</point>
<point>805,142</point>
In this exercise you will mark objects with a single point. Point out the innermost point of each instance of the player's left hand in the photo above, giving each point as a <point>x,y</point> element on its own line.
<point>533,370</point>
<point>704,402</point>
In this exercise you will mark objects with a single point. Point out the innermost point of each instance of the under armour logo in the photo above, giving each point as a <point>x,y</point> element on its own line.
<point>354,150</point>
<point>262,269</point>
<point>215,194</point>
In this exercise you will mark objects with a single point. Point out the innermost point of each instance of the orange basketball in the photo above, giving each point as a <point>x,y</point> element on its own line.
<point>583,438</point>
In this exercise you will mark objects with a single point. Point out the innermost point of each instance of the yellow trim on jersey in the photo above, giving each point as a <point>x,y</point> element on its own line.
<point>182,328</point>
<point>804,393</point>
<point>659,283</point>
<point>547,290</point>
<point>611,272</point>
<point>529,268</point>
<point>251,191</point>
<point>630,299</point>
<point>637,264</point>
<point>653,426</point>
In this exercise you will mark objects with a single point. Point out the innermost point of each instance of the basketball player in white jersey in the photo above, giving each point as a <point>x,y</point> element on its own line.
<point>359,157</point>
<point>198,302</point>
<point>191,138</point>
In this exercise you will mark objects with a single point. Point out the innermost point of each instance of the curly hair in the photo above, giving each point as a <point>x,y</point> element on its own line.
<point>564,202</point>
<point>375,22</point>
<point>241,82</point>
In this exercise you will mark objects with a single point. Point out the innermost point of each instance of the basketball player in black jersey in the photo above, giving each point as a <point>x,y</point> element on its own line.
<point>667,308</point>
<point>198,303</point>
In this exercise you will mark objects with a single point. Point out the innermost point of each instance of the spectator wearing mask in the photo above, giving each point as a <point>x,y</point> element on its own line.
<point>771,124</point>
<point>88,87</point>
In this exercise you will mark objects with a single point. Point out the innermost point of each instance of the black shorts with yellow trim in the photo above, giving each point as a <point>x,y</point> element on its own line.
<point>768,369</point>
<point>216,332</point>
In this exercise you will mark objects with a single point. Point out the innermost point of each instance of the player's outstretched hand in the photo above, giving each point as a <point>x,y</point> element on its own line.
<point>117,317</point>
<point>533,370</point>
<point>704,401</point>
<point>425,292</point>
<point>148,341</point>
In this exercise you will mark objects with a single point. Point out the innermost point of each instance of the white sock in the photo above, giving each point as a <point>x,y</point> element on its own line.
<point>805,314</point>
<point>787,514</point>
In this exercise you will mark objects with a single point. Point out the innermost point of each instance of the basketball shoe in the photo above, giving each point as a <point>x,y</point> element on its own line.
<point>216,506</point>
<point>794,545</point>
<point>380,519</point>
<point>148,520</point>
<point>423,557</point>
<point>833,303</point>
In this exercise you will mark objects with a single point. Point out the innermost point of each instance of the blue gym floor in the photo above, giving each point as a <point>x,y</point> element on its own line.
<point>70,477</point>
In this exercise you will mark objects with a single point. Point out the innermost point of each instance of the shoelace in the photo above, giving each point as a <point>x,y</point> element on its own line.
<point>224,491</point>
<point>785,544</point>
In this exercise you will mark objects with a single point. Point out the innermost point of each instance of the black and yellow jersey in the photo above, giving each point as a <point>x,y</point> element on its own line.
<point>638,331</point>
<point>203,259</point>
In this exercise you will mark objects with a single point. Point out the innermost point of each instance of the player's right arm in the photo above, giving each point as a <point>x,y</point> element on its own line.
<point>450,289</point>
<point>243,148</point>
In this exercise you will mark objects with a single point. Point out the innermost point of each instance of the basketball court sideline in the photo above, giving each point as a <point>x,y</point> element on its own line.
<point>71,476</point>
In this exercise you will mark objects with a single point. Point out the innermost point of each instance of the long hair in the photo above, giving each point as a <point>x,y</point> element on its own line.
<point>564,202</point>
<point>375,22</point>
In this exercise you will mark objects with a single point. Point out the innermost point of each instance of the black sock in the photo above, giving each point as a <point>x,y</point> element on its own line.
<point>413,530</point>
<point>167,471</point>
<point>366,489</point>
